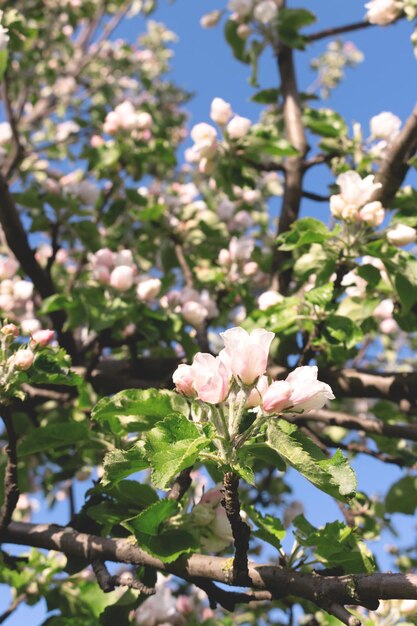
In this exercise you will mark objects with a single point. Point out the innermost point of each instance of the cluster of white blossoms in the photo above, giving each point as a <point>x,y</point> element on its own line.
<point>195,307</point>
<point>383,12</point>
<point>125,117</point>
<point>206,141</point>
<point>264,11</point>
<point>236,261</point>
<point>73,184</point>
<point>118,270</point>
<point>164,608</point>
<point>353,204</point>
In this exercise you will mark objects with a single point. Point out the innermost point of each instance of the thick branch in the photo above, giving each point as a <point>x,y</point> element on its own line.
<point>395,164</point>
<point>19,245</point>
<point>240,530</point>
<point>362,589</point>
<point>293,166</point>
<point>11,490</point>
<point>368,425</point>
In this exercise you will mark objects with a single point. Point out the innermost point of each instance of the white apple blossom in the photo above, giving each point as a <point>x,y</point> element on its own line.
<point>208,20</point>
<point>355,192</point>
<point>402,235</point>
<point>220,111</point>
<point>268,299</point>
<point>238,127</point>
<point>266,11</point>
<point>242,8</point>
<point>372,213</point>
<point>385,125</point>
<point>383,12</point>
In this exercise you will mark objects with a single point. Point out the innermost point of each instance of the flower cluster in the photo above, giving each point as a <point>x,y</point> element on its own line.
<point>118,270</point>
<point>353,204</point>
<point>124,117</point>
<point>332,63</point>
<point>385,128</point>
<point>206,141</point>
<point>235,380</point>
<point>195,307</point>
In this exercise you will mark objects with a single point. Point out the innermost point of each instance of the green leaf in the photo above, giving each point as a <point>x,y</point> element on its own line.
<point>270,529</point>
<point>266,96</point>
<point>335,545</point>
<point>172,446</point>
<point>119,464</point>
<point>402,496</point>
<point>159,539</point>
<point>320,296</point>
<point>324,122</point>
<point>305,231</point>
<point>235,42</point>
<point>138,409</point>
<point>52,367</point>
<point>53,436</point>
<point>3,63</point>
<point>333,476</point>
<point>342,330</point>
<point>290,21</point>
<point>262,452</point>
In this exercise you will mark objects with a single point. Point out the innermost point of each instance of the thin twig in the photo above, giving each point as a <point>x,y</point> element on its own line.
<point>181,485</point>
<point>337,30</point>
<point>108,583</point>
<point>11,489</point>
<point>240,530</point>
<point>13,606</point>
<point>229,599</point>
<point>310,195</point>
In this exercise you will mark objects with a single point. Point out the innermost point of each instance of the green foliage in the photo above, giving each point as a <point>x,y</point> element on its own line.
<point>402,496</point>
<point>333,476</point>
<point>171,446</point>
<point>290,22</point>
<point>335,545</point>
<point>135,410</point>
<point>269,528</point>
<point>161,539</point>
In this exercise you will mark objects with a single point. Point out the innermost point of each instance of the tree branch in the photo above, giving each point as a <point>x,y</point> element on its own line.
<point>18,243</point>
<point>240,529</point>
<point>181,485</point>
<point>358,589</point>
<point>293,166</point>
<point>337,30</point>
<point>12,608</point>
<point>11,489</point>
<point>395,164</point>
<point>108,583</point>
<point>370,426</point>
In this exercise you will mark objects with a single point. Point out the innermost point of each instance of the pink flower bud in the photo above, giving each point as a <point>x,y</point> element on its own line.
<point>10,329</point>
<point>211,378</point>
<point>148,289</point>
<point>96,141</point>
<point>23,359</point>
<point>41,338</point>
<point>277,397</point>
<point>257,393</point>
<point>308,393</point>
<point>121,278</point>
<point>183,380</point>
<point>248,353</point>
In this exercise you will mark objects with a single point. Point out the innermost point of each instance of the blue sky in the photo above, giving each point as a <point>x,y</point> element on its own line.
<point>203,64</point>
